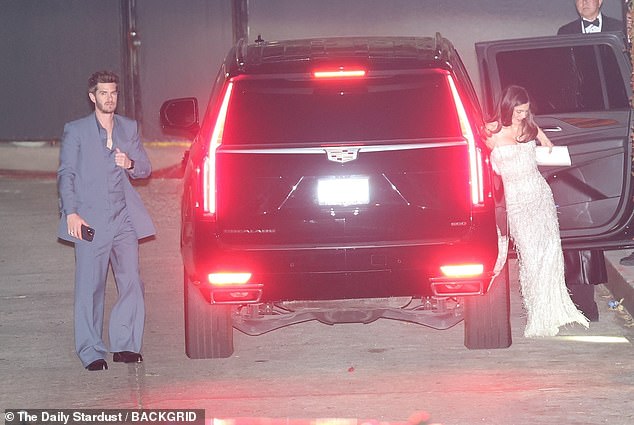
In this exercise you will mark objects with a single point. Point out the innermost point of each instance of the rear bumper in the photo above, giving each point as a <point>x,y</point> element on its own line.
<point>347,272</point>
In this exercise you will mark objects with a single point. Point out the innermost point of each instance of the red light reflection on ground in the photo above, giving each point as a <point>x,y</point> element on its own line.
<point>243,402</point>
<point>418,418</point>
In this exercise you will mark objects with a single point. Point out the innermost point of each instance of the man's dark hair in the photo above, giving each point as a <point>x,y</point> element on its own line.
<point>102,77</point>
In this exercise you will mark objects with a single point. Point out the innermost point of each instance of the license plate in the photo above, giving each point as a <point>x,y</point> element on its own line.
<point>343,191</point>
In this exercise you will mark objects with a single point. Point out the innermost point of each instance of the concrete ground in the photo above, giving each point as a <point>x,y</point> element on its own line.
<point>301,375</point>
<point>40,159</point>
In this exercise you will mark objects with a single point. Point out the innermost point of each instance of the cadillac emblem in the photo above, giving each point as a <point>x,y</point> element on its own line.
<point>342,155</point>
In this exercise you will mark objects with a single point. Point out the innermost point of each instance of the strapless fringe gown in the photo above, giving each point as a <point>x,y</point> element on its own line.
<point>534,228</point>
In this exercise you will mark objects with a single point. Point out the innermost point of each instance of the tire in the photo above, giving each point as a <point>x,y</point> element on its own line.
<point>208,327</point>
<point>487,318</point>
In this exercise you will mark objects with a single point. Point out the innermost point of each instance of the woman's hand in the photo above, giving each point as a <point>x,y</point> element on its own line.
<point>544,140</point>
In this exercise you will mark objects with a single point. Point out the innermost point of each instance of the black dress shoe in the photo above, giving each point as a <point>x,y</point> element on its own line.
<point>97,365</point>
<point>127,357</point>
<point>583,298</point>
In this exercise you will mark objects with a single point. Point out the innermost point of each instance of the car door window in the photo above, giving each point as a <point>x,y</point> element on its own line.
<point>566,79</point>
<point>580,87</point>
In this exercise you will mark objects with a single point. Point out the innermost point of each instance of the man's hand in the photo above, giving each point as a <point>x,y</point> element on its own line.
<point>121,159</point>
<point>74,222</point>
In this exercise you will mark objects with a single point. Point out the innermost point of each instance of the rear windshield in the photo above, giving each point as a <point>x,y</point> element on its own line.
<point>402,107</point>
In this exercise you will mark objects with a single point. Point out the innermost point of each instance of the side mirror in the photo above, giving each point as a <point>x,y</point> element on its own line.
<point>180,117</point>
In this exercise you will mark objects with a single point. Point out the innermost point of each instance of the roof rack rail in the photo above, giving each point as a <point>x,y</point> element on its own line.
<point>241,52</point>
<point>438,42</point>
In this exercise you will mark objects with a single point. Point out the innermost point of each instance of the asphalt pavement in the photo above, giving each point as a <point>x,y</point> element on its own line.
<point>40,160</point>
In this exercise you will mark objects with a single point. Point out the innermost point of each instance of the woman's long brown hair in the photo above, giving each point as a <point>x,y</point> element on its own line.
<point>513,96</point>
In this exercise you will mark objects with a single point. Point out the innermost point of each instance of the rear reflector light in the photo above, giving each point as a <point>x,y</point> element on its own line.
<point>340,73</point>
<point>475,155</point>
<point>233,288</point>
<point>228,278</point>
<point>462,270</point>
<point>209,170</point>
<point>459,280</point>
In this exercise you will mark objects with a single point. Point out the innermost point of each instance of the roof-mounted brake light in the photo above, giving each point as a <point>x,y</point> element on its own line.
<point>340,73</point>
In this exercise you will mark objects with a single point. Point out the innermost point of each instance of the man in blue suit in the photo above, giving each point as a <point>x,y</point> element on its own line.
<point>98,156</point>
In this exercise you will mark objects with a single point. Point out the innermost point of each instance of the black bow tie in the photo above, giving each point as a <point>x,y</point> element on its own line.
<point>586,24</point>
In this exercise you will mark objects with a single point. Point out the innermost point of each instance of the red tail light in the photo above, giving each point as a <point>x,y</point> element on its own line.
<point>459,280</point>
<point>475,154</point>
<point>209,167</point>
<point>234,287</point>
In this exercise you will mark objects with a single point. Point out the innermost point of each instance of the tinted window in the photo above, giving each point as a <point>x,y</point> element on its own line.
<point>296,111</point>
<point>566,79</point>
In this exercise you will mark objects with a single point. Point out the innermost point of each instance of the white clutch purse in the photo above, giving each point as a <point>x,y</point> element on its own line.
<point>558,157</point>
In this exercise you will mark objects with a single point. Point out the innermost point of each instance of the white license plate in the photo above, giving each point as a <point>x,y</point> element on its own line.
<point>343,191</point>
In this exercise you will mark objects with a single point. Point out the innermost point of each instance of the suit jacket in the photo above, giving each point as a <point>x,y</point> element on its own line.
<point>574,27</point>
<point>587,266</point>
<point>82,175</point>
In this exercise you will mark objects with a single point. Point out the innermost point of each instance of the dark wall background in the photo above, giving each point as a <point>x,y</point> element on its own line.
<point>182,45</point>
<point>48,48</point>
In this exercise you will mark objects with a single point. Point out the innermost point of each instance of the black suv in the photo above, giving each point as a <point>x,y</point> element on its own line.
<point>340,180</point>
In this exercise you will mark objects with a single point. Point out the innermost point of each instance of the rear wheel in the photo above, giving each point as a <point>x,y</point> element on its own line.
<point>208,327</point>
<point>487,320</point>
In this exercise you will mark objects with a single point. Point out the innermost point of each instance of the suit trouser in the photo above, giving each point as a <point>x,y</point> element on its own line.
<point>118,246</point>
<point>584,269</point>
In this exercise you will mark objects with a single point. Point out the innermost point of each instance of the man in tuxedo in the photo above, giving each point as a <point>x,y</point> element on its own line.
<point>590,20</point>
<point>586,268</point>
<point>99,154</point>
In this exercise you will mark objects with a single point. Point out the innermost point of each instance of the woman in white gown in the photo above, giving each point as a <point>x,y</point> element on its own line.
<point>532,215</point>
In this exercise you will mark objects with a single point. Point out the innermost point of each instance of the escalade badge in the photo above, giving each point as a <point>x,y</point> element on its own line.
<point>342,155</point>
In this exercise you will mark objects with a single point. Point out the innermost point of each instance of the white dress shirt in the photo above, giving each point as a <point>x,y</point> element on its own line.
<point>591,28</point>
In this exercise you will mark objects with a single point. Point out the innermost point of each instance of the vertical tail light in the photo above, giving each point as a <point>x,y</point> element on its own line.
<point>475,154</point>
<point>209,166</point>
